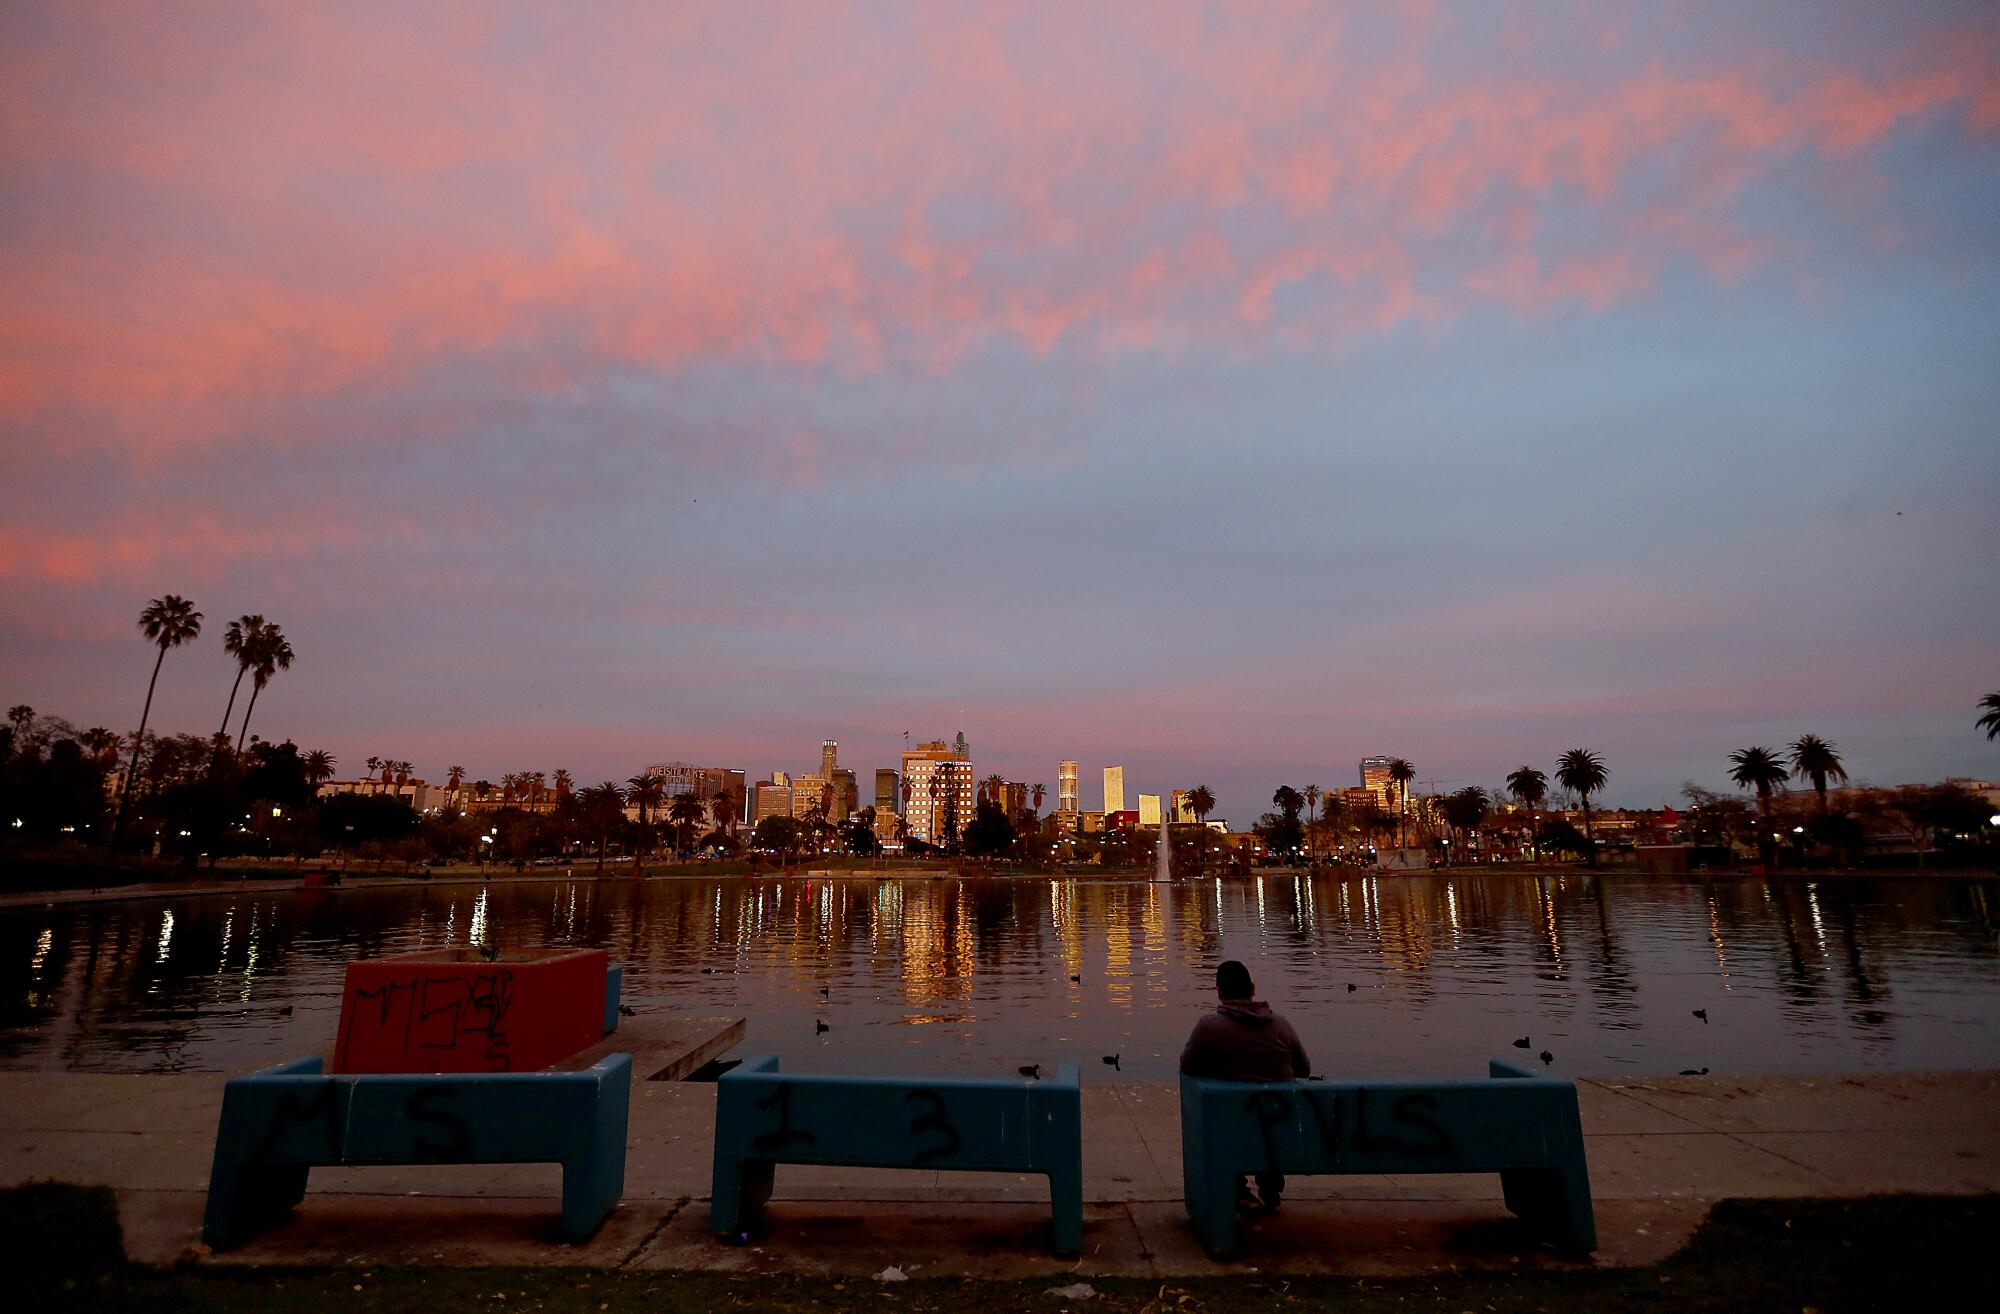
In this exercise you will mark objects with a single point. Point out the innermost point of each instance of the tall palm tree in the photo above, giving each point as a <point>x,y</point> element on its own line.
<point>1401,773</point>
<point>1040,791</point>
<point>722,811</point>
<point>1814,759</point>
<point>1990,722</point>
<point>1202,799</point>
<point>454,779</point>
<point>1529,787</point>
<point>167,622</point>
<point>1762,770</point>
<point>564,782</point>
<point>240,642</point>
<point>319,766</point>
<point>1312,802</point>
<point>1582,773</point>
<point>604,808</point>
<point>993,790</point>
<point>274,654</point>
<point>686,810</point>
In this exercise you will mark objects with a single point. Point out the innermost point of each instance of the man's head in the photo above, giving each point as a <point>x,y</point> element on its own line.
<point>1232,981</point>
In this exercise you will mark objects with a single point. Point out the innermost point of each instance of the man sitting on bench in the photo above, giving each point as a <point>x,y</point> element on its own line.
<point>1243,1040</point>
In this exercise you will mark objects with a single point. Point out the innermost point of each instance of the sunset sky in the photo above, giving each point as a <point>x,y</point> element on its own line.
<point>1229,391</point>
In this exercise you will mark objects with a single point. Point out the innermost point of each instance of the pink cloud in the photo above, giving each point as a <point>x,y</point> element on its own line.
<point>355,204</point>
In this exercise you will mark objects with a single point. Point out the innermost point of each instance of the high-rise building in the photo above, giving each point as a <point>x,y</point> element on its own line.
<point>939,784</point>
<point>846,793</point>
<point>1066,787</point>
<point>829,758</point>
<point>888,791</point>
<point>1375,779</point>
<point>1149,810</point>
<point>772,800</point>
<point>1180,810</point>
<point>1114,789</point>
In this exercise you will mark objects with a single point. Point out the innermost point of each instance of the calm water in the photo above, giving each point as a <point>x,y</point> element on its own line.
<point>1411,975</point>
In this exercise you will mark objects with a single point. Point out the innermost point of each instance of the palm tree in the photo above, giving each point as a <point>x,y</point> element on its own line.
<point>686,810</point>
<point>1312,801</point>
<point>454,779</point>
<point>1202,799</point>
<point>722,811</point>
<point>1040,792</point>
<point>564,782</point>
<point>1582,772</point>
<point>274,654</point>
<point>1760,769</point>
<point>168,622</point>
<point>1529,787</point>
<point>604,808</point>
<point>993,790</point>
<point>1401,773</point>
<point>1990,722</point>
<point>319,766</point>
<point>240,642</point>
<point>102,743</point>
<point>1814,759</point>
<point>646,791</point>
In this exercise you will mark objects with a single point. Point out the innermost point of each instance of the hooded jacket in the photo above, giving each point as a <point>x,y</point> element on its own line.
<point>1244,1040</point>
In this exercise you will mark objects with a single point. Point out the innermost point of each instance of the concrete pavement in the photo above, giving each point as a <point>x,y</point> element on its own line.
<point>1661,1151</point>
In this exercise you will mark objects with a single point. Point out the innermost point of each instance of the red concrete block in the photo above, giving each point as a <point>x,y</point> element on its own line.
<point>453,1010</point>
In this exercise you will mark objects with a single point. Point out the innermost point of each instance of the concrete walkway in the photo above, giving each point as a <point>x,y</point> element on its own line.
<point>1661,1151</point>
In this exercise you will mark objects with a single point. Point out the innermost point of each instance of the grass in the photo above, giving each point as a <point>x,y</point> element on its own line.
<point>61,1250</point>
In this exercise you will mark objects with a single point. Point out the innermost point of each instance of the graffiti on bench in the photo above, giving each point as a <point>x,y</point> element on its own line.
<point>411,1022</point>
<point>1411,1130</point>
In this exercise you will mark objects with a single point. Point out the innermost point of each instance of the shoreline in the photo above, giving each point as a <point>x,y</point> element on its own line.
<point>247,882</point>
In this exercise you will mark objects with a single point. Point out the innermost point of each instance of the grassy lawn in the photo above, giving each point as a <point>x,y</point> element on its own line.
<point>61,1249</point>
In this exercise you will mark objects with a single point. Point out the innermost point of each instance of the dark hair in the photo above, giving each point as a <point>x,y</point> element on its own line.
<point>1232,981</point>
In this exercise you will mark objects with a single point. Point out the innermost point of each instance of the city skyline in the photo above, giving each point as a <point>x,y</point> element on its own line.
<point>1225,392</point>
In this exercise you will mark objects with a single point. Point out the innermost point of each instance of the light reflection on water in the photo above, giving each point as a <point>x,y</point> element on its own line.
<point>1396,975</point>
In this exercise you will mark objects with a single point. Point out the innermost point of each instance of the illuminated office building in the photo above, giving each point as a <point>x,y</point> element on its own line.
<point>1066,787</point>
<point>1114,789</point>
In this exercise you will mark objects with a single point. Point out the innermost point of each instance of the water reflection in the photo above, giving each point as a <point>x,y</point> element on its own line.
<point>1381,975</point>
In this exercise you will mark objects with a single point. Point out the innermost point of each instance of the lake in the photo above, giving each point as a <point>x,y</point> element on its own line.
<point>1394,975</point>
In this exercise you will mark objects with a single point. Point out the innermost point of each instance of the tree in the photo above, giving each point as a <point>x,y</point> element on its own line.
<point>319,767</point>
<point>168,622</point>
<point>1759,769</point>
<point>646,791</point>
<point>779,835</point>
<point>240,642</point>
<point>603,811</point>
<point>860,833</point>
<point>1281,833</point>
<point>1529,787</point>
<point>274,654</point>
<point>1465,809</point>
<point>454,780</point>
<point>1202,800</point>
<point>1990,722</point>
<point>686,810</point>
<point>989,834</point>
<point>1582,772</point>
<point>1401,773</point>
<point>1814,759</point>
<point>722,808</point>
<point>1040,792</point>
<point>1312,803</point>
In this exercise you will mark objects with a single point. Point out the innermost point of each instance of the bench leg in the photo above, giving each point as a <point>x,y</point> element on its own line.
<point>1556,1202</point>
<point>737,1193</point>
<point>1066,1208</point>
<point>245,1198</point>
<point>1211,1206</point>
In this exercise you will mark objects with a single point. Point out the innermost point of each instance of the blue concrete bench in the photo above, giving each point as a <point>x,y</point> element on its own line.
<point>279,1123</point>
<point>1015,1125</point>
<point>1517,1123</point>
